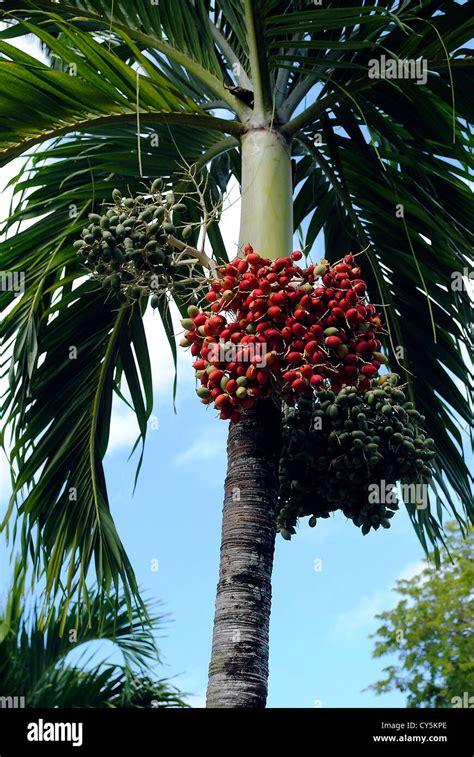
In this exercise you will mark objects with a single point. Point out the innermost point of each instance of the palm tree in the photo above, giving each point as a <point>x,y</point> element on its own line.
<point>280,95</point>
<point>37,644</point>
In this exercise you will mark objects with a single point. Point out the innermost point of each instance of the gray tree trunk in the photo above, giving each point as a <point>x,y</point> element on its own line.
<point>238,671</point>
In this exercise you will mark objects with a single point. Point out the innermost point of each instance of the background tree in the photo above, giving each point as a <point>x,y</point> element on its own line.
<point>36,641</point>
<point>430,630</point>
<point>380,165</point>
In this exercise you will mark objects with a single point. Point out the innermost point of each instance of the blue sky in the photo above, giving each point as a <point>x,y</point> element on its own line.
<point>321,619</point>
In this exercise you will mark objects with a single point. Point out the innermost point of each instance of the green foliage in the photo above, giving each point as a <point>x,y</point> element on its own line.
<point>430,630</point>
<point>36,641</point>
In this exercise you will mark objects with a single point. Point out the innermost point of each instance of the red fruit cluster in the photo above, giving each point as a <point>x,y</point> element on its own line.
<point>270,326</point>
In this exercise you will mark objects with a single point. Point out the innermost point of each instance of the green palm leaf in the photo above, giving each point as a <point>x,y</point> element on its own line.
<point>36,657</point>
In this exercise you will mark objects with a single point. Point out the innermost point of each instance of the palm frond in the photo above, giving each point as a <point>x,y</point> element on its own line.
<point>51,663</point>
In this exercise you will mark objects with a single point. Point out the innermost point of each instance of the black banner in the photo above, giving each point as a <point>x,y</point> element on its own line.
<point>325,731</point>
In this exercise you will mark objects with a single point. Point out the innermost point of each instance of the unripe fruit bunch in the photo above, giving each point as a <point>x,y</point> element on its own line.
<point>127,247</point>
<point>282,330</point>
<point>343,451</point>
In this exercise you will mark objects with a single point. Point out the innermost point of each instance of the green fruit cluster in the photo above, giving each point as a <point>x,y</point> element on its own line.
<point>127,248</point>
<point>338,447</point>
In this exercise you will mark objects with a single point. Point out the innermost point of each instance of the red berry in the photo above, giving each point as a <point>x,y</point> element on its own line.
<point>317,358</point>
<point>294,357</point>
<point>350,359</point>
<point>350,371</point>
<point>251,373</point>
<point>311,347</point>
<point>316,330</point>
<point>278,298</point>
<point>273,335</point>
<point>368,370</point>
<point>216,376</point>
<point>253,259</point>
<point>298,386</point>
<point>290,376</point>
<point>298,329</point>
<point>245,285</point>
<point>274,311</point>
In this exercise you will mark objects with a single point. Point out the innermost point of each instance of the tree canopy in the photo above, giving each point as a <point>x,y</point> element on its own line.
<point>430,630</point>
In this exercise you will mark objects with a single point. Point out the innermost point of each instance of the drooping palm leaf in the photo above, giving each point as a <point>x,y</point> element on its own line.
<point>38,660</point>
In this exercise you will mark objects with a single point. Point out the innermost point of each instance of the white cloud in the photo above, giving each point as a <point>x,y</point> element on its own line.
<point>208,448</point>
<point>411,570</point>
<point>123,429</point>
<point>161,357</point>
<point>350,622</point>
<point>362,616</point>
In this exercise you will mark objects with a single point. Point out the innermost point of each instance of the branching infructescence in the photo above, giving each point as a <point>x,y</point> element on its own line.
<point>139,246</point>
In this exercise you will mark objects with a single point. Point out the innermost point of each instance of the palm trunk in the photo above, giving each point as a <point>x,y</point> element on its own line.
<point>239,666</point>
<point>238,672</point>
